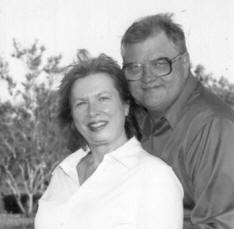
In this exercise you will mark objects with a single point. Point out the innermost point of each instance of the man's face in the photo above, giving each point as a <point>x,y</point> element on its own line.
<point>152,91</point>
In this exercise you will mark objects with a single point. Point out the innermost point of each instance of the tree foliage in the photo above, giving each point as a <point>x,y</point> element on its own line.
<point>31,142</point>
<point>221,87</point>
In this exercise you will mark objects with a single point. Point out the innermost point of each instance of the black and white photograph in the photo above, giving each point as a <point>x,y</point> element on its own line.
<point>116,114</point>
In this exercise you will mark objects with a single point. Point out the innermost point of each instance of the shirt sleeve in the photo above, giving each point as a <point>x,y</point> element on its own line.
<point>161,201</point>
<point>212,172</point>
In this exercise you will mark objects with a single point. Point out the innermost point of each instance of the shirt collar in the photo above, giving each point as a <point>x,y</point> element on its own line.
<point>126,155</point>
<point>68,165</point>
<point>174,112</point>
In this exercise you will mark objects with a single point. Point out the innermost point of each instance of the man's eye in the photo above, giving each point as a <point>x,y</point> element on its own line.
<point>104,98</point>
<point>133,68</point>
<point>159,62</point>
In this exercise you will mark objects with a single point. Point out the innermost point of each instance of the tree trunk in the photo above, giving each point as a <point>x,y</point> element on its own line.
<point>19,202</point>
<point>30,205</point>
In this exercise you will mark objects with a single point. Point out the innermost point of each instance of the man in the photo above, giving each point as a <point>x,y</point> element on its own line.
<point>185,124</point>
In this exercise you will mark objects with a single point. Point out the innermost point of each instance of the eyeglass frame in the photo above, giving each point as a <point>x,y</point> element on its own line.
<point>142,66</point>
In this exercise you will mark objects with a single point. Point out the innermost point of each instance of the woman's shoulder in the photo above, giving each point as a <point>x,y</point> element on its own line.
<point>157,170</point>
<point>144,158</point>
<point>153,162</point>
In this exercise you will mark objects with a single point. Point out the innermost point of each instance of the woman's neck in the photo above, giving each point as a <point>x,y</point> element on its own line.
<point>91,161</point>
<point>100,150</point>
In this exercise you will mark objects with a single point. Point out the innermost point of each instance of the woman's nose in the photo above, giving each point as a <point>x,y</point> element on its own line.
<point>93,109</point>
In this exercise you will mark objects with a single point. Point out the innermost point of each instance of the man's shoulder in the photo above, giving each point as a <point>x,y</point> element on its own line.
<point>204,103</point>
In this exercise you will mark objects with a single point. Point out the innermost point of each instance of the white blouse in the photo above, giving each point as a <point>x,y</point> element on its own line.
<point>130,189</point>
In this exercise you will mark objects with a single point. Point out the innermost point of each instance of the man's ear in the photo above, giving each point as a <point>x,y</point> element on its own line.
<point>126,109</point>
<point>186,64</point>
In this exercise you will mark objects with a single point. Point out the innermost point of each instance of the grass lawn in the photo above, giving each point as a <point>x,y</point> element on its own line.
<point>9,221</point>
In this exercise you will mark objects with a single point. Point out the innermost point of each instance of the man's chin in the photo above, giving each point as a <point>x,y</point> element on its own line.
<point>151,104</point>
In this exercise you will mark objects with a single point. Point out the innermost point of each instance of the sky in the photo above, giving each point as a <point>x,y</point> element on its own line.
<point>64,26</point>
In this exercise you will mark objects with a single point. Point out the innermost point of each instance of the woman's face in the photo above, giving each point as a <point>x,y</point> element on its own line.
<point>98,111</point>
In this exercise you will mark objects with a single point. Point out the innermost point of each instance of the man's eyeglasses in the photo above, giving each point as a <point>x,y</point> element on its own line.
<point>158,67</point>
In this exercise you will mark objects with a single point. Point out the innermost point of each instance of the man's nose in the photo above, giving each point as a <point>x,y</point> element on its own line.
<point>147,75</point>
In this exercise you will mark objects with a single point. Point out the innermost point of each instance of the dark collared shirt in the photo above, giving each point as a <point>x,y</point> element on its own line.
<point>198,142</point>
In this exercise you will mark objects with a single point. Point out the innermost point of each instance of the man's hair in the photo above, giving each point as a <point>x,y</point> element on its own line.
<point>152,25</point>
<point>85,67</point>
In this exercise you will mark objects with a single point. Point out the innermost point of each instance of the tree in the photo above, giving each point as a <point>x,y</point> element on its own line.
<point>31,142</point>
<point>221,87</point>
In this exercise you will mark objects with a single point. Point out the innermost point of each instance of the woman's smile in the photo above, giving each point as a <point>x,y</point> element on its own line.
<point>97,125</point>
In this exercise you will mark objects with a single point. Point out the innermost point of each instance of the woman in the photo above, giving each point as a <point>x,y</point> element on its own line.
<point>110,182</point>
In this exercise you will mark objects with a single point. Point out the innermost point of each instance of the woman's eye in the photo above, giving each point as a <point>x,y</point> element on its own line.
<point>79,104</point>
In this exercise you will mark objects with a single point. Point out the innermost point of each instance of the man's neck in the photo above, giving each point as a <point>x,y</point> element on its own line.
<point>156,115</point>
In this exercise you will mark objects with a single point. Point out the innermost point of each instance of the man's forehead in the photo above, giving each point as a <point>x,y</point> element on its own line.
<point>156,46</point>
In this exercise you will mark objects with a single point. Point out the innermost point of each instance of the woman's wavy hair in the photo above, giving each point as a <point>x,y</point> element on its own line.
<point>86,66</point>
